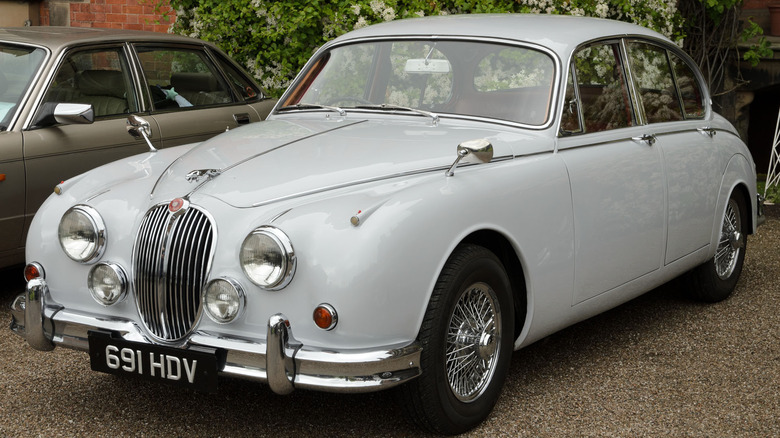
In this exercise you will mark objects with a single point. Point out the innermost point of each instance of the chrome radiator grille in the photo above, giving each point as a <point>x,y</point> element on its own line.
<point>171,259</point>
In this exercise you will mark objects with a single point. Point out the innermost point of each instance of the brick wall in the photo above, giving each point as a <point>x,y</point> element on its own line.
<point>114,14</point>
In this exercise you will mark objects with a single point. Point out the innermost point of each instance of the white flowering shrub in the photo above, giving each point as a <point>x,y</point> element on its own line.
<point>273,39</point>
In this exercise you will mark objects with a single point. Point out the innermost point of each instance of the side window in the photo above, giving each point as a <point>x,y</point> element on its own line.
<point>570,119</point>
<point>182,78</point>
<point>689,88</point>
<point>655,83</point>
<point>247,88</point>
<point>603,92</point>
<point>96,77</point>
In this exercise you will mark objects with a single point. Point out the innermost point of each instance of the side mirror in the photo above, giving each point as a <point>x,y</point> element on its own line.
<point>74,113</point>
<point>472,151</point>
<point>139,127</point>
<point>52,113</point>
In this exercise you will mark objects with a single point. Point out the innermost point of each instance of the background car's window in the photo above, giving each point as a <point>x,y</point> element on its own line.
<point>602,88</point>
<point>654,82</point>
<point>182,78</point>
<point>96,77</point>
<point>248,90</point>
<point>18,66</point>
<point>689,89</point>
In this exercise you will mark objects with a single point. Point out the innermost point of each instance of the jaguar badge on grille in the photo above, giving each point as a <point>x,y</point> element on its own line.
<point>177,205</point>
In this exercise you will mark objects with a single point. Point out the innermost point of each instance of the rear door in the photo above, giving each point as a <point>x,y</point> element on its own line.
<point>671,101</point>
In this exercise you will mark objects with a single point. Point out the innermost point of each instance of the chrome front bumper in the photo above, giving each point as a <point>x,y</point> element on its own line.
<point>280,361</point>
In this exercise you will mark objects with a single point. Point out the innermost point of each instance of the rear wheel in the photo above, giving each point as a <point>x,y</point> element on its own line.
<point>716,279</point>
<point>467,340</point>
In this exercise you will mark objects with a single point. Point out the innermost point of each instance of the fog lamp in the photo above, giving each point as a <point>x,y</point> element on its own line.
<point>107,283</point>
<point>325,317</point>
<point>223,300</point>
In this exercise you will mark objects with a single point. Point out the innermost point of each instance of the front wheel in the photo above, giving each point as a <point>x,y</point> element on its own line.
<point>467,339</point>
<point>716,279</point>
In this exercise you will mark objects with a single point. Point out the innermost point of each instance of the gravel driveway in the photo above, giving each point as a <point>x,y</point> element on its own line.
<point>658,366</point>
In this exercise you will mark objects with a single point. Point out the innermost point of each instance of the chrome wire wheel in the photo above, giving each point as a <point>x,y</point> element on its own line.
<point>473,337</point>
<point>731,241</point>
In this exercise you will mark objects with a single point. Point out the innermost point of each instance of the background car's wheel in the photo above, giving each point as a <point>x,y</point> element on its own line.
<point>467,339</point>
<point>716,279</point>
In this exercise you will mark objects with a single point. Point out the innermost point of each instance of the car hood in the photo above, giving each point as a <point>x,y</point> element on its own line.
<point>278,159</point>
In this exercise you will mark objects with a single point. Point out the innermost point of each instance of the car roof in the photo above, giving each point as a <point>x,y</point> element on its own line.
<point>57,37</point>
<point>560,33</point>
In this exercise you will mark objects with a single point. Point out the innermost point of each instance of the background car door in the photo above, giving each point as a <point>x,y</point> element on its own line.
<point>191,100</point>
<point>11,190</point>
<point>96,76</point>
<point>617,181</point>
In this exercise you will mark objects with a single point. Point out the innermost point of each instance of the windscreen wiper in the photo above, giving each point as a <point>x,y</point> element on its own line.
<point>305,106</point>
<point>388,107</point>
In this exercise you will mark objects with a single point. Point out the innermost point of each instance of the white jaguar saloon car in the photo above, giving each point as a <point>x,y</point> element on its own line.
<point>428,196</point>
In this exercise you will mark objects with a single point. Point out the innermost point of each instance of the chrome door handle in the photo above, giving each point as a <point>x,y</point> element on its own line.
<point>647,138</point>
<point>708,131</point>
<point>241,119</point>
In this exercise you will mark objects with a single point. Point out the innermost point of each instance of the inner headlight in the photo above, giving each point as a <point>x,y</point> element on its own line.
<point>223,300</point>
<point>107,283</point>
<point>82,234</point>
<point>267,258</point>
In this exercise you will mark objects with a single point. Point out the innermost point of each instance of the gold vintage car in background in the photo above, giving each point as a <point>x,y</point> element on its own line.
<point>55,80</point>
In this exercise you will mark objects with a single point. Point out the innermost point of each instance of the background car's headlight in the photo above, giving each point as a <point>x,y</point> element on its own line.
<point>267,258</point>
<point>82,234</point>
<point>223,300</point>
<point>107,283</point>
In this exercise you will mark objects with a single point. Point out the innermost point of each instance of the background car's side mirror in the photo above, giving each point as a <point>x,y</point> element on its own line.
<point>52,113</point>
<point>138,127</point>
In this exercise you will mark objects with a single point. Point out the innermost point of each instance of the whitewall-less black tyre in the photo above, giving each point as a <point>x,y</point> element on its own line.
<point>716,279</point>
<point>467,338</point>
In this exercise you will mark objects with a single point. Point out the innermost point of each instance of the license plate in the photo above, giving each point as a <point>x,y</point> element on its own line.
<point>191,368</point>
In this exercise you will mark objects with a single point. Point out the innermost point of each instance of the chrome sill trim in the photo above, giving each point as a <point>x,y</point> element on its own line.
<point>296,366</point>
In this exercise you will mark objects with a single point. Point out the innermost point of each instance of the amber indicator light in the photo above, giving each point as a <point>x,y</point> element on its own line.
<point>323,318</point>
<point>31,272</point>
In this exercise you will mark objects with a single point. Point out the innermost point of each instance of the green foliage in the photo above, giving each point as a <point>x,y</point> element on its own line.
<point>772,192</point>
<point>758,50</point>
<point>273,39</point>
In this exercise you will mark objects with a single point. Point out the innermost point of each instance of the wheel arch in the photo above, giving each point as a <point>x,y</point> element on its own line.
<point>499,245</point>
<point>738,176</point>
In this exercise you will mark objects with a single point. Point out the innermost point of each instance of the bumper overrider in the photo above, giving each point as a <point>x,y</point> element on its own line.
<point>281,361</point>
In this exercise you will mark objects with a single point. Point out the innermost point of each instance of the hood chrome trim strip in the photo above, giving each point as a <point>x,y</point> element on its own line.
<point>225,169</point>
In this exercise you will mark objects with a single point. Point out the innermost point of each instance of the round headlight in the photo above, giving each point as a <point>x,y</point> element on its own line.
<point>267,258</point>
<point>107,283</point>
<point>82,234</point>
<point>223,300</point>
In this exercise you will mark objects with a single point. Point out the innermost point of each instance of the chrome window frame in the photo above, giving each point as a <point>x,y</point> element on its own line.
<point>33,85</point>
<point>55,67</point>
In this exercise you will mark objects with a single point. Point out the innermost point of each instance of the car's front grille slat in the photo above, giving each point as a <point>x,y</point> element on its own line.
<point>171,259</point>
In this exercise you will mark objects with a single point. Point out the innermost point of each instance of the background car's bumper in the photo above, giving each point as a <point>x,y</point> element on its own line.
<point>280,360</point>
